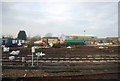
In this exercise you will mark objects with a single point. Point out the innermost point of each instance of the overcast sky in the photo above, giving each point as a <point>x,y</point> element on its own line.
<point>39,18</point>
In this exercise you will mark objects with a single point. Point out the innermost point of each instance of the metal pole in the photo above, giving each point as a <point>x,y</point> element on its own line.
<point>32,59</point>
<point>33,51</point>
<point>23,60</point>
<point>84,36</point>
<point>37,60</point>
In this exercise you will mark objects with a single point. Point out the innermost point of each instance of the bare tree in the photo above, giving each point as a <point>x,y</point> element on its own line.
<point>48,35</point>
<point>34,38</point>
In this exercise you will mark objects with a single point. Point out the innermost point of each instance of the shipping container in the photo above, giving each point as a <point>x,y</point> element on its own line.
<point>74,42</point>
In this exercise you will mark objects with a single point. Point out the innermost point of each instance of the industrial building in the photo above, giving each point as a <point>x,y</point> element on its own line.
<point>88,39</point>
<point>11,41</point>
<point>50,39</point>
<point>77,36</point>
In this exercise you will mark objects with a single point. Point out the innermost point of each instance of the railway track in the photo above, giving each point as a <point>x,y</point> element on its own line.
<point>64,58</point>
<point>27,60</point>
<point>64,68</point>
<point>81,75</point>
<point>111,64</point>
<point>92,76</point>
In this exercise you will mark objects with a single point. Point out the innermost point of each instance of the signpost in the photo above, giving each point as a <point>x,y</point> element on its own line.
<point>39,54</point>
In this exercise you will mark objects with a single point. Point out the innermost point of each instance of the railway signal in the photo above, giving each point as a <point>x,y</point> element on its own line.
<point>33,51</point>
<point>39,54</point>
<point>5,49</point>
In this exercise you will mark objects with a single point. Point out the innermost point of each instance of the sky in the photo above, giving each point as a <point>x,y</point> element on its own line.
<point>40,18</point>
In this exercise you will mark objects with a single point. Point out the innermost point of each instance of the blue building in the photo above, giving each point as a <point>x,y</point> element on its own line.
<point>77,36</point>
<point>5,41</point>
<point>85,37</point>
<point>11,41</point>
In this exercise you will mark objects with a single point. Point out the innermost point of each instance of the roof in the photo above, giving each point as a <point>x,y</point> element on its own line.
<point>78,35</point>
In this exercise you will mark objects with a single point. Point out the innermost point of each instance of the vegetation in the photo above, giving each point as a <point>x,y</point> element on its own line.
<point>34,38</point>
<point>48,35</point>
<point>22,35</point>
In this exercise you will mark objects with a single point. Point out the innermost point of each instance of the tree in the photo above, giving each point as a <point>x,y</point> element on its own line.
<point>34,38</point>
<point>48,35</point>
<point>109,41</point>
<point>22,35</point>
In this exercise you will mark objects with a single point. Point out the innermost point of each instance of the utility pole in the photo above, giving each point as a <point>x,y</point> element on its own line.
<point>84,36</point>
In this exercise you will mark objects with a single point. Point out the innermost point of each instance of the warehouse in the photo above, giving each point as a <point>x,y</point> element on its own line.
<point>50,39</point>
<point>77,36</point>
<point>86,38</point>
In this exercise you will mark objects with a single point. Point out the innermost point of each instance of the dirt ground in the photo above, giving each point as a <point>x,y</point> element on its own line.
<point>70,52</point>
<point>62,52</point>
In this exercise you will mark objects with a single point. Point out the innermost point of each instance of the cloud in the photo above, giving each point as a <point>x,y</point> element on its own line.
<point>60,17</point>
